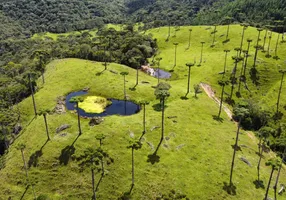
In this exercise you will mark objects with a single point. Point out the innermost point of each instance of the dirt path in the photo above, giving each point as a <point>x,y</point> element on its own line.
<point>209,91</point>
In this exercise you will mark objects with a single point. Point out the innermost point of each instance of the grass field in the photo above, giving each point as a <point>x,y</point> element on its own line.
<point>195,156</point>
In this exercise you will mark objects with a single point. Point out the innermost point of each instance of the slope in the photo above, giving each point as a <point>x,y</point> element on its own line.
<point>195,155</point>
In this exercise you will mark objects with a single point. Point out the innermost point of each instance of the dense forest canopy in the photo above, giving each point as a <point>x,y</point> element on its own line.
<point>67,15</point>
<point>62,15</point>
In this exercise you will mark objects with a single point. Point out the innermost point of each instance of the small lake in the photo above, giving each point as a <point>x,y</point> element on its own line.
<point>118,107</point>
<point>161,74</point>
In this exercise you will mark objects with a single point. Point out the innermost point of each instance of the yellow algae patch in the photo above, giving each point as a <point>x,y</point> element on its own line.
<point>94,104</point>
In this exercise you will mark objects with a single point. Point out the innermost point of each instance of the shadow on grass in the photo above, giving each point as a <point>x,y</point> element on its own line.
<point>99,181</point>
<point>254,75</point>
<point>99,73</point>
<point>153,158</point>
<point>217,118</point>
<point>276,57</point>
<point>158,107</point>
<point>230,189</point>
<point>184,97</point>
<point>237,148</point>
<point>143,133</point>
<point>23,195</point>
<point>225,41</point>
<point>258,184</point>
<point>34,158</point>
<point>24,129</point>
<point>67,153</point>
<point>133,88</point>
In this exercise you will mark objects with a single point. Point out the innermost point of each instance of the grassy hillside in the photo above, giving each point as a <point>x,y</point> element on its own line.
<point>195,156</point>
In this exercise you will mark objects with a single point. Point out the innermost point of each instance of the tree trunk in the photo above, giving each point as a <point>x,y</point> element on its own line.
<point>256,49</point>
<point>189,77</point>
<point>32,92</point>
<point>144,119</point>
<point>234,152</point>
<point>270,178</point>
<point>175,63</point>
<point>102,167</point>
<point>25,166</point>
<point>132,150</point>
<point>214,36</point>
<point>246,60</point>
<point>276,47</point>
<point>190,33</point>
<point>137,74</point>
<point>264,40</point>
<point>227,32</point>
<point>201,60</point>
<point>224,67</point>
<point>279,93</point>
<point>269,42</point>
<point>278,175</point>
<point>93,184</point>
<point>221,100</point>
<point>46,125</point>
<point>163,110</point>
<point>78,119</point>
<point>242,37</point>
<point>241,72</point>
<point>260,151</point>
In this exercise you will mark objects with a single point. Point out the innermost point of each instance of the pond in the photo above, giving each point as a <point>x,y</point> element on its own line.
<point>118,107</point>
<point>161,74</point>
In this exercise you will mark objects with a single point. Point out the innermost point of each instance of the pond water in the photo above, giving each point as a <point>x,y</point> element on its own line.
<point>161,74</point>
<point>118,107</point>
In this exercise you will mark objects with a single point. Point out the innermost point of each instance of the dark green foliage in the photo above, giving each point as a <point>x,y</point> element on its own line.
<point>255,119</point>
<point>62,15</point>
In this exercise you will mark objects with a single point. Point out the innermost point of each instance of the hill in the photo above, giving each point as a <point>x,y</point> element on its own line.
<point>195,157</point>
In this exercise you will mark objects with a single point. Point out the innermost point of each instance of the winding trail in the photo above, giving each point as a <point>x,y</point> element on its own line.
<point>209,91</point>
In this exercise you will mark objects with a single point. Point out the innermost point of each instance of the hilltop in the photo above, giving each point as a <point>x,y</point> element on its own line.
<point>195,157</point>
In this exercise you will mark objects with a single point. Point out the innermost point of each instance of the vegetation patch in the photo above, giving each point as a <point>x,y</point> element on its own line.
<point>94,104</point>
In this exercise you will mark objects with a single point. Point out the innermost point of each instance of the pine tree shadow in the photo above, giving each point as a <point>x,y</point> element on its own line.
<point>259,184</point>
<point>99,181</point>
<point>153,158</point>
<point>254,75</point>
<point>276,57</point>
<point>158,107</point>
<point>225,41</point>
<point>100,73</point>
<point>184,97</point>
<point>230,189</point>
<point>67,153</point>
<point>217,118</point>
<point>237,148</point>
<point>133,88</point>
<point>34,158</point>
<point>26,189</point>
